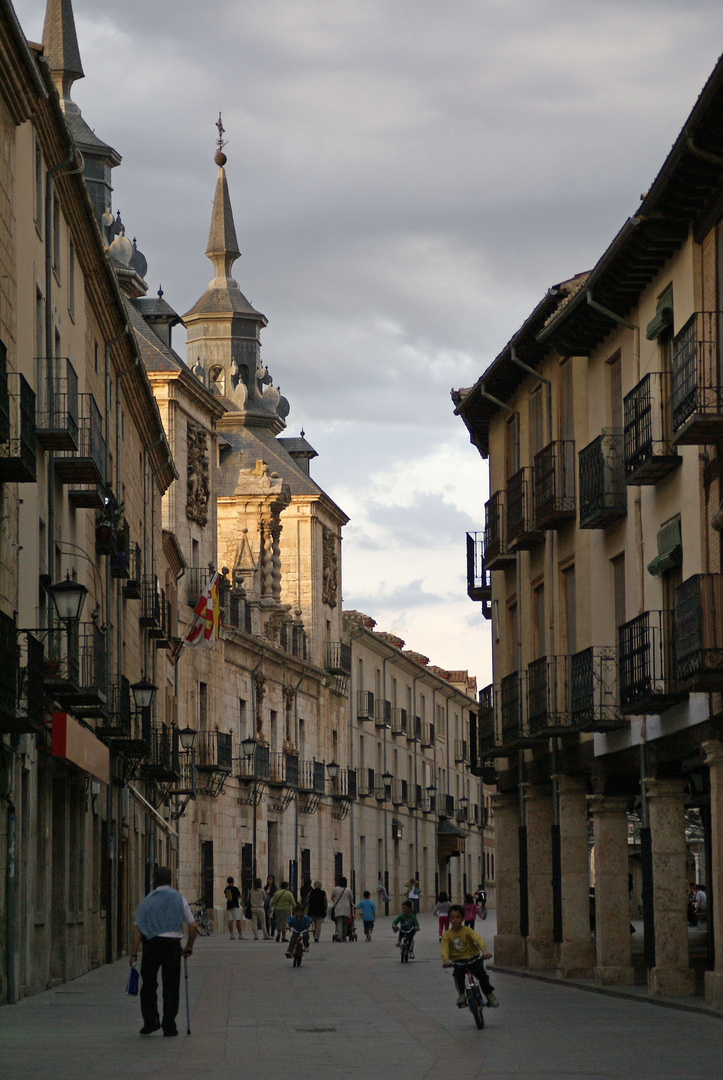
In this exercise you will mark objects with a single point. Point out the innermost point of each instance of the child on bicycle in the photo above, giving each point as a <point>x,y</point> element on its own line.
<point>460,943</point>
<point>298,923</point>
<point>406,923</point>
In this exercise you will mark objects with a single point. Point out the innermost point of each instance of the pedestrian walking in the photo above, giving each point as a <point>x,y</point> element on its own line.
<point>413,893</point>
<point>471,911</point>
<point>233,907</point>
<point>257,898</point>
<point>317,908</point>
<point>382,890</point>
<point>368,911</point>
<point>442,912</point>
<point>304,893</point>
<point>342,904</point>
<point>159,927</point>
<point>281,907</point>
<point>270,890</point>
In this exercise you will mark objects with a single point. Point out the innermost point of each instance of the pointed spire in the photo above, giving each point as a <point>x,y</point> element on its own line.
<point>222,248</point>
<point>60,45</point>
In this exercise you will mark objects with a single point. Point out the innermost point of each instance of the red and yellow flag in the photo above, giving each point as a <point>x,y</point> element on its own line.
<point>207,617</point>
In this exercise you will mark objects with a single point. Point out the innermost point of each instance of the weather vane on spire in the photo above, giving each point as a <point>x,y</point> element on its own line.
<point>220,157</point>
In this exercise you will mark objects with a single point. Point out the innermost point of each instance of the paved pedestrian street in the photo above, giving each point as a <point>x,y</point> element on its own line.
<point>350,1011</point>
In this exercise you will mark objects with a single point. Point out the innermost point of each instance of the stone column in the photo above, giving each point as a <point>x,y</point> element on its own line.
<point>576,952</point>
<point>713,751</point>
<point>672,975</point>
<point>612,902</point>
<point>509,948</point>
<point>540,947</point>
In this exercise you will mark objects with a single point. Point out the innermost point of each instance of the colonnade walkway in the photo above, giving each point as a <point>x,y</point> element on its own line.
<point>351,1012</point>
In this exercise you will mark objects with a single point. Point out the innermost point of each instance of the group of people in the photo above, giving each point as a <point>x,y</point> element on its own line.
<point>161,916</point>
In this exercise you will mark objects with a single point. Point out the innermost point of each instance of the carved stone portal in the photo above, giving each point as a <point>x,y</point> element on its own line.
<point>330,587</point>
<point>198,490</point>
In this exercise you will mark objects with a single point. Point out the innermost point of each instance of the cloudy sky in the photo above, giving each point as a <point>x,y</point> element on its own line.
<point>408,178</point>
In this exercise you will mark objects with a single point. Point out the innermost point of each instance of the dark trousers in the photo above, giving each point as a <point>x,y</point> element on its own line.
<point>163,953</point>
<point>477,967</point>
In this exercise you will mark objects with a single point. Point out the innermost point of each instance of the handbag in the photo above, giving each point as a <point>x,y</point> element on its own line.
<point>132,984</point>
<point>247,910</point>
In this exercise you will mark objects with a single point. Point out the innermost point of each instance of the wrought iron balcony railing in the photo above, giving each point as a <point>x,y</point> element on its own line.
<point>603,493</point>
<point>522,533</point>
<point>9,665</point>
<point>87,463</point>
<point>382,713</point>
<point>594,692</point>
<point>483,747</point>
<point>76,671</point>
<point>312,777</point>
<point>283,769</point>
<point>696,380</point>
<point>214,750</point>
<point>399,721</point>
<point>554,484</point>
<point>22,710</point>
<point>496,554</point>
<point>479,583</point>
<point>133,582</point>
<point>338,658</point>
<point>163,762</point>
<point>17,430</point>
<point>117,722</point>
<point>426,733</point>
<point>548,708</point>
<point>649,452</point>
<point>399,792</point>
<point>365,783</point>
<point>699,633</point>
<point>257,765</point>
<point>345,785</point>
<point>198,579</point>
<point>365,705</point>
<point>57,417</point>
<point>444,805</point>
<point>646,650</point>
<point>512,722</point>
<point>461,752</point>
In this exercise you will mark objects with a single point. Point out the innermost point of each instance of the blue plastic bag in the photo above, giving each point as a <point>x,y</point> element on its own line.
<point>132,984</point>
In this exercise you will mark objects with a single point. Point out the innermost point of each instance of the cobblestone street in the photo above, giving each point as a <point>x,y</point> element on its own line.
<point>351,1011</point>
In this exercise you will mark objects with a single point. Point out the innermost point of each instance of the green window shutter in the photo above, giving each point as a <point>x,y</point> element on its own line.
<point>670,549</point>
<point>663,318</point>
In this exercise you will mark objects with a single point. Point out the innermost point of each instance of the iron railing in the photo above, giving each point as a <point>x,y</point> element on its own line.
<point>548,711</point>
<point>649,453</point>
<point>461,751</point>
<point>697,395</point>
<point>117,722</point>
<point>646,648</point>
<point>603,493</point>
<point>699,633</point>
<point>479,583</point>
<point>594,692</point>
<point>382,713</point>
<point>312,776</point>
<point>17,430</point>
<point>365,783</point>
<point>214,751</point>
<point>554,484</point>
<point>338,658</point>
<point>256,765</point>
<point>399,721</point>
<point>57,406</point>
<point>511,699</point>
<point>87,463</point>
<point>164,760</point>
<point>521,530</point>
<point>365,705</point>
<point>426,733</point>
<point>496,551</point>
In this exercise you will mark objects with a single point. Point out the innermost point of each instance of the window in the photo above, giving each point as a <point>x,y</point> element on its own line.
<point>39,188</point>
<point>615,383</point>
<point>202,705</point>
<point>56,236</point>
<point>567,412</point>
<point>71,278</point>
<point>536,424</point>
<point>538,601</point>
<point>512,449</point>
<point>568,580</point>
<point>618,565</point>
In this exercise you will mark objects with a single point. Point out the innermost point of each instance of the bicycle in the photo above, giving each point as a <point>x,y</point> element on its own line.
<point>406,947</point>
<point>204,924</point>
<point>472,992</point>
<point>297,950</point>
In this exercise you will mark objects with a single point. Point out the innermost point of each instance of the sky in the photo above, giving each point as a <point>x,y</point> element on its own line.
<point>408,179</point>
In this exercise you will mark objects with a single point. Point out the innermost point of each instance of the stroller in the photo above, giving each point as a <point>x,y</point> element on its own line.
<point>350,931</point>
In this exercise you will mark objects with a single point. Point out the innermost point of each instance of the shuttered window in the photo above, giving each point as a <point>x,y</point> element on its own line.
<point>619,589</point>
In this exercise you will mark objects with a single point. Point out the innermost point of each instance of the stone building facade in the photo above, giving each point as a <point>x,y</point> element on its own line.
<point>601,419</point>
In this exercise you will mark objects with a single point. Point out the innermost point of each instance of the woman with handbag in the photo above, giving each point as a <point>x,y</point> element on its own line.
<point>257,913</point>
<point>342,905</point>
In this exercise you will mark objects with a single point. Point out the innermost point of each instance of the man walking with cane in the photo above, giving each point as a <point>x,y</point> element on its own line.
<point>159,925</point>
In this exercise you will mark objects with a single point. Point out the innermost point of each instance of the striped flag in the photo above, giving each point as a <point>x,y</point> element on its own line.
<point>207,617</point>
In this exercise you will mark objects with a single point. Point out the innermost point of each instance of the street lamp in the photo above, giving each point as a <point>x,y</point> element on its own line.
<point>387,781</point>
<point>187,737</point>
<point>144,693</point>
<point>68,599</point>
<point>333,770</point>
<point>248,745</point>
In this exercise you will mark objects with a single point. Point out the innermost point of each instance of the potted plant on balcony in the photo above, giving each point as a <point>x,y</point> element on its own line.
<point>107,526</point>
<point>120,558</point>
<point>51,660</point>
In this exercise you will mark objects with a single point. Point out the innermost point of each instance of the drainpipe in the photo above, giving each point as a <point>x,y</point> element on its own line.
<point>296,800</point>
<point>50,348</point>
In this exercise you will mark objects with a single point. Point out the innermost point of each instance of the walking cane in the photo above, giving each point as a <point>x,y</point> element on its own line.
<point>188,1013</point>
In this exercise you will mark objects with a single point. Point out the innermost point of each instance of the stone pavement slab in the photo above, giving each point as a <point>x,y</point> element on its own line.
<point>351,1012</point>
